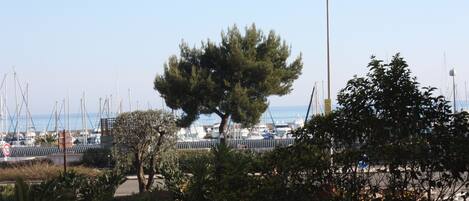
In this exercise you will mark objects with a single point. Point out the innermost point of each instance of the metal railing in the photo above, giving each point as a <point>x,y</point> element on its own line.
<point>205,144</point>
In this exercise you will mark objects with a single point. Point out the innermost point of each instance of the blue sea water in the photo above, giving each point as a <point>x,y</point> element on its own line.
<point>43,122</point>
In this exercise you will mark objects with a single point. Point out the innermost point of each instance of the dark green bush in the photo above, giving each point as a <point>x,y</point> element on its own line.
<point>69,186</point>
<point>98,157</point>
<point>7,192</point>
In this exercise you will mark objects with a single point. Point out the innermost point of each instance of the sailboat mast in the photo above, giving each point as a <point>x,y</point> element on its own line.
<point>465,94</point>
<point>81,113</point>
<point>3,108</point>
<point>130,101</point>
<point>6,109</point>
<point>26,111</point>
<point>309,103</point>
<point>110,103</point>
<point>100,111</point>
<point>84,118</point>
<point>17,111</point>
<point>56,114</point>
<point>1,117</point>
<point>68,112</point>
<point>64,113</point>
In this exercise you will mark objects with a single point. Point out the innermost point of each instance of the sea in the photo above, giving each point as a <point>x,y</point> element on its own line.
<point>46,122</point>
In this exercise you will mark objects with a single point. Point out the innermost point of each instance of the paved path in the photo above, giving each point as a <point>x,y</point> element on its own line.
<point>130,186</point>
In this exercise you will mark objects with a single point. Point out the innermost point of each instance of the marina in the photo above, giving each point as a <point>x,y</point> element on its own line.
<point>20,127</point>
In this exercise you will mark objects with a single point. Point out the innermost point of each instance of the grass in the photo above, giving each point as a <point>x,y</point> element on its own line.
<point>40,171</point>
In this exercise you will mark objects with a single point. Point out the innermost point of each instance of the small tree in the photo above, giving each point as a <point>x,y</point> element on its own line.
<point>231,79</point>
<point>387,119</point>
<point>141,138</point>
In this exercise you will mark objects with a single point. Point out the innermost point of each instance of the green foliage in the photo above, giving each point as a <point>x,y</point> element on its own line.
<point>102,188</point>
<point>69,186</point>
<point>21,190</point>
<point>231,79</point>
<point>415,148</point>
<point>399,126</point>
<point>299,172</point>
<point>97,157</point>
<point>46,140</point>
<point>7,192</point>
<point>142,140</point>
<point>295,173</point>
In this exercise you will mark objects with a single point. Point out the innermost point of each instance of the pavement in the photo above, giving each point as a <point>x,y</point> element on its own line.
<point>130,186</point>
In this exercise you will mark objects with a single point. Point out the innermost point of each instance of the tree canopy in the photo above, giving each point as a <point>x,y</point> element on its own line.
<point>141,139</point>
<point>232,78</point>
<point>388,120</point>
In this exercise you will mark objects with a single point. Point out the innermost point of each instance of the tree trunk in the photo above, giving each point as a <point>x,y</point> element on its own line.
<point>222,129</point>
<point>151,174</point>
<point>140,173</point>
<point>430,178</point>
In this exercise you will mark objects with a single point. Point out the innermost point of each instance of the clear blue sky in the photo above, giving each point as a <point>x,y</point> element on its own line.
<point>103,47</point>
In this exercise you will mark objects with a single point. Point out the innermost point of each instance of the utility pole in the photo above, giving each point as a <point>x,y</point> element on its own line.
<point>64,144</point>
<point>328,102</point>
<point>452,74</point>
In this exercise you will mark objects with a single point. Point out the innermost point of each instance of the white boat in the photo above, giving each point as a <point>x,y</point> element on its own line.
<point>298,123</point>
<point>30,137</point>
<point>215,131</point>
<point>194,132</point>
<point>238,132</point>
<point>257,132</point>
<point>282,130</point>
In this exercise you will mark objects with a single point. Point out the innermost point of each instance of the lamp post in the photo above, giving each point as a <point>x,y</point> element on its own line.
<point>327,102</point>
<point>452,74</point>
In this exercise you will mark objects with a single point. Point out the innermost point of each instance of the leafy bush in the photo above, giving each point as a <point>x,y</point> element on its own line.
<point>97,157</point>
<point>69,186</point>
<point>7,192</point>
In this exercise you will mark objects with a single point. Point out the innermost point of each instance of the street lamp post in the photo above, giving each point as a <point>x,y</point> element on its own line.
<point>327,102</point>
<point>452,74</point>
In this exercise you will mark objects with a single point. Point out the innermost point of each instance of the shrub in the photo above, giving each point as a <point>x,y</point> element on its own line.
<point>97,157</point>
<point>40,171</point>
<point>68,186</point>
<point>7,192</point>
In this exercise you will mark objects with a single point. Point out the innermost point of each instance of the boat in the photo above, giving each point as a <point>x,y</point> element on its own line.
<point>192,133</point>
<point>282,130</point>
<point>258,132</point>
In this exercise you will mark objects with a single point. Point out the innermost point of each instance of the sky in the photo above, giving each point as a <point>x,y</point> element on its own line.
<point>67,48</point>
